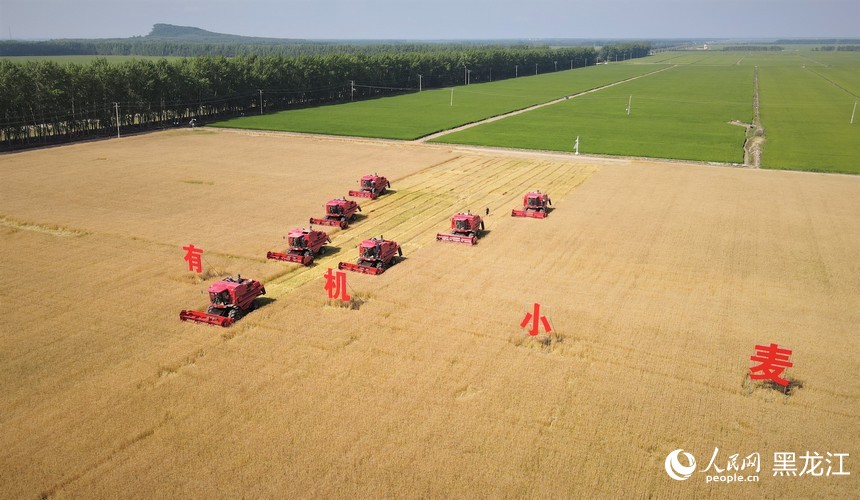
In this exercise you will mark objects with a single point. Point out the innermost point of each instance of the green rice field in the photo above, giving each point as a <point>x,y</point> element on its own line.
<point>419,114</point>
<point>683,107</point>
<point>683,113</point>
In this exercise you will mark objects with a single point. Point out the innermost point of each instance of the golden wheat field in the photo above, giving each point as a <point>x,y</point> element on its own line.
<point>658,279</point>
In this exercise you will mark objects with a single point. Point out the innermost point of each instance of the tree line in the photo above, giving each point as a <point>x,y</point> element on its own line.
<point>753,48</point>
<point>46,102</point>
<point>838,48</point>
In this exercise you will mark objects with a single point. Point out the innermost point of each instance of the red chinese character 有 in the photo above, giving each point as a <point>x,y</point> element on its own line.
<point>335,285</point>
<point>772,361</point>
<point>537,319</point>
<point>194,256</point>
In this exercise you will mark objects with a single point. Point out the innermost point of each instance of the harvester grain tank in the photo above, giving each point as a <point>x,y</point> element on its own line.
<point>338,212</point>
<point>374,256</point>
<point>303,244</point>
<point>535,205</point>
<point>371,187</point>
<point>465,228</point>
<point>229,300</point>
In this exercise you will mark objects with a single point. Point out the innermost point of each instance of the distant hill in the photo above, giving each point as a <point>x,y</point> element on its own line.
<point>170,32</point>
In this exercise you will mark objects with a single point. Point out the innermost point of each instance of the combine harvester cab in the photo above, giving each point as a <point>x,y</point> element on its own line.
<point>338,212</point>
<point>303,243</point>
<point>465,228</point>
<point>535,205</point>
<point>371,187</point>
<point>229,300</point>
<point>374,256</point>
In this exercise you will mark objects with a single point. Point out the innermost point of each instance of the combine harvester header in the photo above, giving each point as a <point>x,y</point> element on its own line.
<point>338,212</point>
<point>371,187</point>
<point>374,256</point>
<point>229,300</point>
<point>303,243</point>
<point>535,205</point>
<point>465,228</point>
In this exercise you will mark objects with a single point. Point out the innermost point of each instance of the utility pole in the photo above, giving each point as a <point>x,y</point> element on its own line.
<point>116,105</point>
<point>852,112</point>
<point>465,74</point>
<point>571,64</point>
<point>535,68</point>
<point>352,90</point>
<point>419,83</point>
<point>261,101</point>
<point>629,101</point>
<point>576,146</point>
<point>452,96</point>
<point>556,65</point>
<point>516,70</point>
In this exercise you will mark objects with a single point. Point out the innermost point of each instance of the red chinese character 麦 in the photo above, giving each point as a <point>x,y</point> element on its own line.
<point>772,362</point>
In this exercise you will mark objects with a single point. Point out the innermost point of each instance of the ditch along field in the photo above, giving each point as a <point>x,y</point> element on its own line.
<point>658,278</point>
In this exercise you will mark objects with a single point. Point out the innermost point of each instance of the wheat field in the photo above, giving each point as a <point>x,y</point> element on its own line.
<point>658,278</point>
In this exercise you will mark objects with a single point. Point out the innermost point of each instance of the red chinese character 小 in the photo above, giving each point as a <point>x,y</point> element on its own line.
<point>537,319</point>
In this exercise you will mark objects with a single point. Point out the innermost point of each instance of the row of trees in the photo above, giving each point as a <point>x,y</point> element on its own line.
<point>42,102</point>
<point>215,47</point>
<point>838,48</point>
<point>753,48</point>
<point>624,51</point>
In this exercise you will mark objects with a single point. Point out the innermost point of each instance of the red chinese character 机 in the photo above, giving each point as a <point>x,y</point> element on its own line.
<point>335,285</point>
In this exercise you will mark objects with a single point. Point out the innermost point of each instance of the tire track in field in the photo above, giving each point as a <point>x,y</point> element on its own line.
<point>536,106</point>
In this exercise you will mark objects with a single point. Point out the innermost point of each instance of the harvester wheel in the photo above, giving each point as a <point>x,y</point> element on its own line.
<point>380,265</point>
<point>212,310</point>
<point>234,314</point>
<point>321,251</point>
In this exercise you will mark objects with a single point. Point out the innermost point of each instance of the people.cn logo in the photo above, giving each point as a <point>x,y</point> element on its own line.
<point>676,469</point>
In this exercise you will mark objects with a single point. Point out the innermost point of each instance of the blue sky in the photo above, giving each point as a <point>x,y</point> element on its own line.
<point>436,19</point>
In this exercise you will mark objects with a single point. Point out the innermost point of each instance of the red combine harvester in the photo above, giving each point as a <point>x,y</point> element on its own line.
<point>374,256</point>
<point>304,243</point>
<point>465,228</point>
<point>371,187</point>
<point>338,212</point>
<point>535,204</point>
<point>229,300</point>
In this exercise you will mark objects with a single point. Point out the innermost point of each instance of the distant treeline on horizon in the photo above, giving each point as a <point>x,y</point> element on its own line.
<point>48,102</point>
